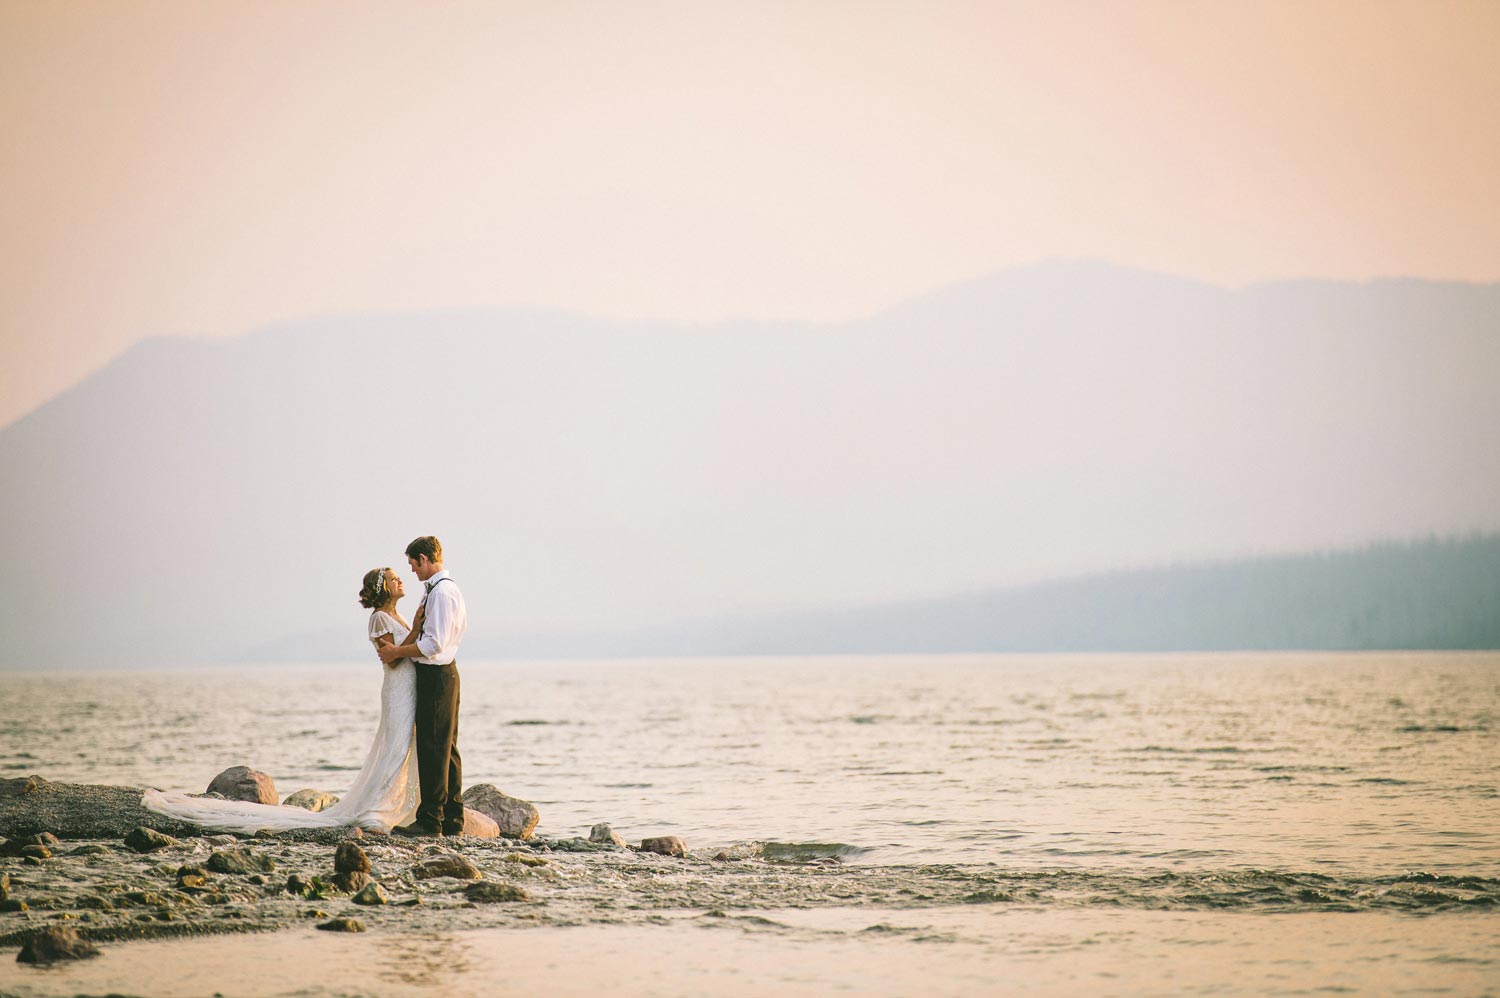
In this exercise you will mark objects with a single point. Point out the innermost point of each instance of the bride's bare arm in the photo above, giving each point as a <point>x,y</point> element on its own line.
<point>383,642</point>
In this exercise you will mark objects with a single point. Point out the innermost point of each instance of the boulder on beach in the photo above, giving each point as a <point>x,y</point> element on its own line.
<point>370,894</point>
<point>665,845</point>
<point>606,835</point>
<point>313,800</point>
<point>244,783</point>
<point>480,825</point>
<point>515,818</point>
<point>54,944</point>
<point>349,881</point>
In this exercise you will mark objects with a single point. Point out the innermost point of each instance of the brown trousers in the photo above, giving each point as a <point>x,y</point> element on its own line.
<point>439,767</point>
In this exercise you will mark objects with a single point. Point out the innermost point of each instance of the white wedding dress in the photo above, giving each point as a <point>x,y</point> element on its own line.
<point>384,793</point>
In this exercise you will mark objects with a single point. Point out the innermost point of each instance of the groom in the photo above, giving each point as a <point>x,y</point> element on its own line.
<point>437,629</point>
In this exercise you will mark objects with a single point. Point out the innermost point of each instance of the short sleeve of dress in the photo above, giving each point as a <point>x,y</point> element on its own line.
<point>381,623</point>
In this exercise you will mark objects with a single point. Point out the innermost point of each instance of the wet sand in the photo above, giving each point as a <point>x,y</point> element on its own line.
<point>864,951</point>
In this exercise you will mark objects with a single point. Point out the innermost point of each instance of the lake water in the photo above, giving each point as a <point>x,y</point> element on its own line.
<point>1073,792</point>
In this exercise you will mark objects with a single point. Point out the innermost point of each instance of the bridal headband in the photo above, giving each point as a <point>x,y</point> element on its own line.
<point>379,580</point>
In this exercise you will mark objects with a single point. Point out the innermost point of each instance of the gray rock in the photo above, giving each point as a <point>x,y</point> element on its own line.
<point>666,845</point>
<point>349,856</point>
<point>221,840</point>
<point>240,860</point>
<point>516,818</point>
<point>603,833</point>
<point>370,894</point>
<point>313,800</point>
<point>54,944</point>
<point>486,893</point>
<point>342,925</point>
<point>244,783</point>
<point>446,865</point>
<point>145,839</point>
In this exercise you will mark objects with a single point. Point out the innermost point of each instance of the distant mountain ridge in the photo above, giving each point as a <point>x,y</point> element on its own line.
<point>206,500</point>
<point>1438,594</point>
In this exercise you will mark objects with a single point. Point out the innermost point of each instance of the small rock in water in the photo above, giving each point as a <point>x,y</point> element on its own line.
<point>244,783</point>
<point>295,884</point>
<point>342,925</point>
<point>313,800</point>
<point>92,849</point>
<point>665,845</point>
<point>19,845</point>
<point>36,852</point>
<point>350,881</point>
<point>446,865</point>
<point>370,894</point>
<point>348,857</point>
<point>602,832</point>
<point>12,904</point>
<point>4,885</point>
<point>240,860</point>
<point>486,892</point>
<point>516,857</point>
<point>515,818</point>
<point>145,839</point>
<point>221,840</point>
<point>721,857</point>
<point>54,944</point>
<point>191,876</point>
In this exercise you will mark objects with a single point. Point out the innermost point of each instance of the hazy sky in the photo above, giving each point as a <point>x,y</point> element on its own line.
<point>208,167</point>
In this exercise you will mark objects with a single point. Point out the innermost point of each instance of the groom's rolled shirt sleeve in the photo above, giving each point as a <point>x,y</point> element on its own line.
<point>440,632</point>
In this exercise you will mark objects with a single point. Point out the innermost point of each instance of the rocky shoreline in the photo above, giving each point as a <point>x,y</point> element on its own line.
<point>82,865</point>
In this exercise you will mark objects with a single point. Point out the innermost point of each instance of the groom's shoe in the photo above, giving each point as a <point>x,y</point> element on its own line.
<point>417,830</point>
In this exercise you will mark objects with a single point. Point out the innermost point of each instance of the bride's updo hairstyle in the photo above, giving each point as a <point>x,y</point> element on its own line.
<point>373,593</point>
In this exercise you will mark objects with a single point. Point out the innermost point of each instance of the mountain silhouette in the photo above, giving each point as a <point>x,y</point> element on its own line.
<point>199,499</point>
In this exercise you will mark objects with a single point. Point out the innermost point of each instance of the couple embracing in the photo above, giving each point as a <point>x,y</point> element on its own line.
<point>411,781</point>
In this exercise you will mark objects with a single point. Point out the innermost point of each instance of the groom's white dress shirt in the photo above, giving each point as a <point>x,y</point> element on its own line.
<point>447,619</point>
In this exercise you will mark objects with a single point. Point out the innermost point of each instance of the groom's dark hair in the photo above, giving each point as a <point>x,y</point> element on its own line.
<point>430,546</point>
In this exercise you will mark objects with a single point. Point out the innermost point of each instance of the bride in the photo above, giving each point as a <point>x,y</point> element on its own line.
<point>384,793</point>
